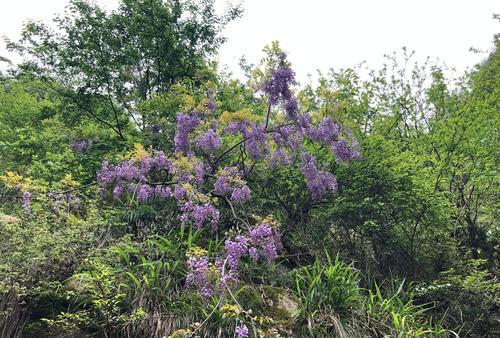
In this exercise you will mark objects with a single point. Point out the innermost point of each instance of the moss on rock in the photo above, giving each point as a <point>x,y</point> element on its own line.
<point>273,302</point>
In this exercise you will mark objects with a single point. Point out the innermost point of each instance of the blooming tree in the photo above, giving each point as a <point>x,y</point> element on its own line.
<point>202,174</point>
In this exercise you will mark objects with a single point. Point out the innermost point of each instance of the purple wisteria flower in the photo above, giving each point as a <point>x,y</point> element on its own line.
<point>345,152</point>
<point>82,146</point>
<point>163,191</point>
<point>318,182</point>
<point>186,123</point>
<point>291,106</point>
<point>230,183</point>
<point>253,253</point>
<point>27,200</point>
<point>269,250</point>
<point>260,233</point>
<point>223,184</point>
<point>327,132</point>
<point>278,157</point>
<point>236,127</point>
<point>208,141</point>
<point>241,194</point>
<point>261,241</point>
<point>235,249</point>
<point>303,124</point>
<point>263,236</point>
<point>125,171</point>
<point>212,107</point>
<point>199,173</point>
<point>117,191</point>
<point>278,89</point>
<point>205,212</point>
<point>144,192</point>
<point>179,191</point>
<point>254,135</point>
<point>132,175</point>
<point>241,331</point>
<point>226,279</point>
<point>199,214</point>
<point>198,276</point>
<point>255,143</point>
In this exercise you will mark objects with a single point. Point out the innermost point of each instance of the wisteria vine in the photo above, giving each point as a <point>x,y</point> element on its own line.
<point>201,171</point>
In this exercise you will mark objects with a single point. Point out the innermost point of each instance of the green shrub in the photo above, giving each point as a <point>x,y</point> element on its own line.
<point>467,298</point>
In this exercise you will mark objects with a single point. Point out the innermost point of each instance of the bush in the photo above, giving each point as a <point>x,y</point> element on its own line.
<point>466,298</point>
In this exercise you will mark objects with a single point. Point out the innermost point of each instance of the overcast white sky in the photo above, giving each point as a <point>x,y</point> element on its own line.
<point>321,34</point>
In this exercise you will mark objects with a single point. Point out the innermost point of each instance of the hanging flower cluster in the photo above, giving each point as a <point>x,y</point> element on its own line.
<point>209,276</point>
<point>82,145</point>
<point>230,183</point>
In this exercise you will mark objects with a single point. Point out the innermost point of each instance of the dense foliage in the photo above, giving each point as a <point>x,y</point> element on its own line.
<point>143,193</point>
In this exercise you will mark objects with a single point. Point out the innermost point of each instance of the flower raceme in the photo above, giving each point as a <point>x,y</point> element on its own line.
<point>241,331</point>
<point>318,182</point>
<point>186,123</point>
<point>278,89</point>
<point>211,276</point>
<point>209,141</point>
<point>230,183</point>
<point>27,200</point>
